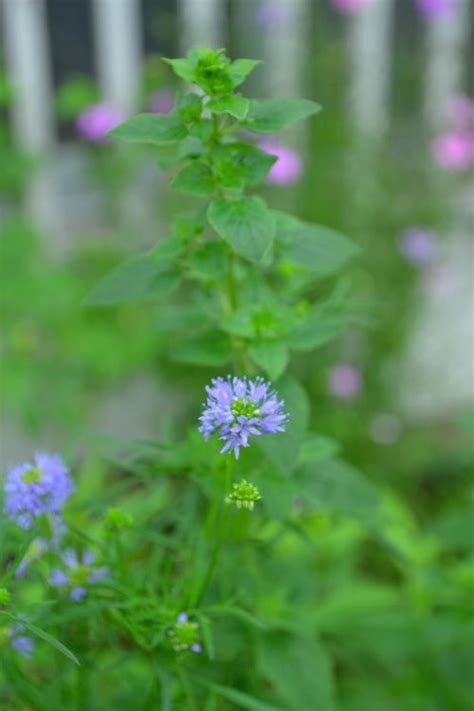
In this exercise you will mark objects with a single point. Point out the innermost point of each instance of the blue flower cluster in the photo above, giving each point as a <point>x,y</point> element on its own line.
<point>33,489</point>
<point>239,408</point>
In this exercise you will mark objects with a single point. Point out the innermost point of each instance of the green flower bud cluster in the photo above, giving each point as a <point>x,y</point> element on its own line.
<point>116,520</point>
<point>244,495</point>
<point>184,636</point>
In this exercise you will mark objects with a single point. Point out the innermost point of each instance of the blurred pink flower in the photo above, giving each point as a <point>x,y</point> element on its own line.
<point>453,150</point>
<point>461,112</point>
<point>435,9</point>
<point>344,381</point>
<point>161,102</point>
<point>418,245</point>
<point>97,120</point>
<point>348,7</point>
<point>271,15</point>
<point>288,167</point>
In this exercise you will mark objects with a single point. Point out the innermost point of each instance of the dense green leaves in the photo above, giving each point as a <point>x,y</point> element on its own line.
<point>272,115</point>
<point>246,225</point>
<point>151,129</point>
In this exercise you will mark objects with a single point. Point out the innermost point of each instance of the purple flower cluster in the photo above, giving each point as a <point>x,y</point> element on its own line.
<point>239,408</point>
<point>79,573</point>
<point>35,489</point>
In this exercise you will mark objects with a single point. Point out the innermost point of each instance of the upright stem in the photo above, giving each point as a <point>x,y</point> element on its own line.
<point>220,534</point>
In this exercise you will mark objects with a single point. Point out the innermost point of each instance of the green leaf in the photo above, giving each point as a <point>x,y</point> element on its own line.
<point>273,115</point>
<point>282,448</point>
<point>152,129</point>
<point>316,248</point>
<point>49,639</point>
<point>299,670</point>
<point>339,487</point>
<point>246,224</point>
<point>234,104</point>
<point>137,279</point>
<point>212,348</point>
<point>195,179</point>
<point>241,68</point>
<point>239,698</point>
<point>183,68</point>
<point>239,323</point>
<point>209,261</point>
<point>316,330</point>
<point>270,355</point>
<point>247,162</point>
<point>318,448</point>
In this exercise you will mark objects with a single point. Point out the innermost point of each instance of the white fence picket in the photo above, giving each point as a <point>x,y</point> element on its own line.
<point>118,43</point>
<point>202,23</point>
<point>447,40</point>
<point>370,43</point>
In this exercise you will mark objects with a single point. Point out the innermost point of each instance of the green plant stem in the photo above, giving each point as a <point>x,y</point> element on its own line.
<point>221,528</point>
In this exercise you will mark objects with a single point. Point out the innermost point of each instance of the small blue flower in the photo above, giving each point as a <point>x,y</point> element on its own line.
<point>80,572</point>
<point>20,642</point>
<point>35,489</point>
<point>239,408</point>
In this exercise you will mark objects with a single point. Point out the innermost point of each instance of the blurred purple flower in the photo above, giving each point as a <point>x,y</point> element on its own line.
<point>97,120</point>
<point>79,573</point>
<point>271,15</point>
<point>418,245</point>
<point>348,7</point>
<point>344,381</point>
<point>461,113</point>
<point>288,167</point>
<point>35,489</point>
<point>20,642</point>
<point>161,102</point>
<point>453,151</point>
<point>435,9</point>
<point>239,408</point>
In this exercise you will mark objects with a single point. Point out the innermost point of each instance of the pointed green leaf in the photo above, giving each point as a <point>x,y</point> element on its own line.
<point>135,280</point>
<point>195,179</point>
<point>234,104</point>
<point>241,68</point>
<point>212,348</point>
<point>246,224</point>
<point>183,68</point>
<point>270,355</point>
<point>272,115</point>
<point>151,129</point>
<point>316,248</point>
